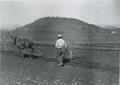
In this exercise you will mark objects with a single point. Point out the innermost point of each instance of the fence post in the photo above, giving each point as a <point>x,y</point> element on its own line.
<point>5,47</point>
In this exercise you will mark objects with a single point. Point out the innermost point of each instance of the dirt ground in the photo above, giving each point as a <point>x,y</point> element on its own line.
<point>88,67</point>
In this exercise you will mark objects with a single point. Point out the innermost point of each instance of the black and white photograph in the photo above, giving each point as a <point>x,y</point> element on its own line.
<point>59,42</point>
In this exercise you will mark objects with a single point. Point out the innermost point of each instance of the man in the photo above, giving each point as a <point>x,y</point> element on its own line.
<point>60,48</point>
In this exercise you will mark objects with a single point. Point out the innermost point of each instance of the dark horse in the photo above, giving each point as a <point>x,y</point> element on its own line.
<point>22,44</point>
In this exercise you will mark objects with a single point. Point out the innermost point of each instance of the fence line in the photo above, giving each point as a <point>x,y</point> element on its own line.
<point>81,45</point>
<point>77,43</point>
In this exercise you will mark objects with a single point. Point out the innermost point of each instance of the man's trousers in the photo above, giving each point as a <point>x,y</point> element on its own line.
<point>60,53</point>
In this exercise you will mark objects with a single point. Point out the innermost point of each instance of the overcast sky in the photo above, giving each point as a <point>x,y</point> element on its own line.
<point>105,12</point>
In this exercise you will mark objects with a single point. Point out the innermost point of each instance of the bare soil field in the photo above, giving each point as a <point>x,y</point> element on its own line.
<point>88,67</point>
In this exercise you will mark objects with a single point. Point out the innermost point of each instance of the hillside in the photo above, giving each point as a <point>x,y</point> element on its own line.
<point>46,30</point>
<point>4,35</point>
<point>111,27</point>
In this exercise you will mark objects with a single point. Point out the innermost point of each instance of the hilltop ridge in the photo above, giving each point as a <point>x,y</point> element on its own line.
<point>46,29</point>
<point>56,21</point>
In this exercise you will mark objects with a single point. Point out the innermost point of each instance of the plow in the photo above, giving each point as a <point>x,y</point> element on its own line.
<point>27,52</point>
<point>37,52</point>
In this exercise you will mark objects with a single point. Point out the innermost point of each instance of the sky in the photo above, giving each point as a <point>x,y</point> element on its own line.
<point>21,12</point>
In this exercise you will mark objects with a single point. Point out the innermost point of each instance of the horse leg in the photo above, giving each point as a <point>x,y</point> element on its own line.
<point>31,51</point>
<point>31,48</point>
<point>21,53</point>
<point>18,51</point>
<point>31,57</point>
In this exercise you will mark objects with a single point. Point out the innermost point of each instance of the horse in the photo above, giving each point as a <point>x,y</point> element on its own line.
<point>22,44</point>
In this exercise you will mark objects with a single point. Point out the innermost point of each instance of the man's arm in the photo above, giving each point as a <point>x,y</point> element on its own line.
<point>56,44</point>
<point>65,45</point>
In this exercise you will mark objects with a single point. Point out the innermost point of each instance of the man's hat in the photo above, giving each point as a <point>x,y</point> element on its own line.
<point>59,36</point>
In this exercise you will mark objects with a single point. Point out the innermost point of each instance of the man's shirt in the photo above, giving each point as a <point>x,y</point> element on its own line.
<point>60,43</point>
